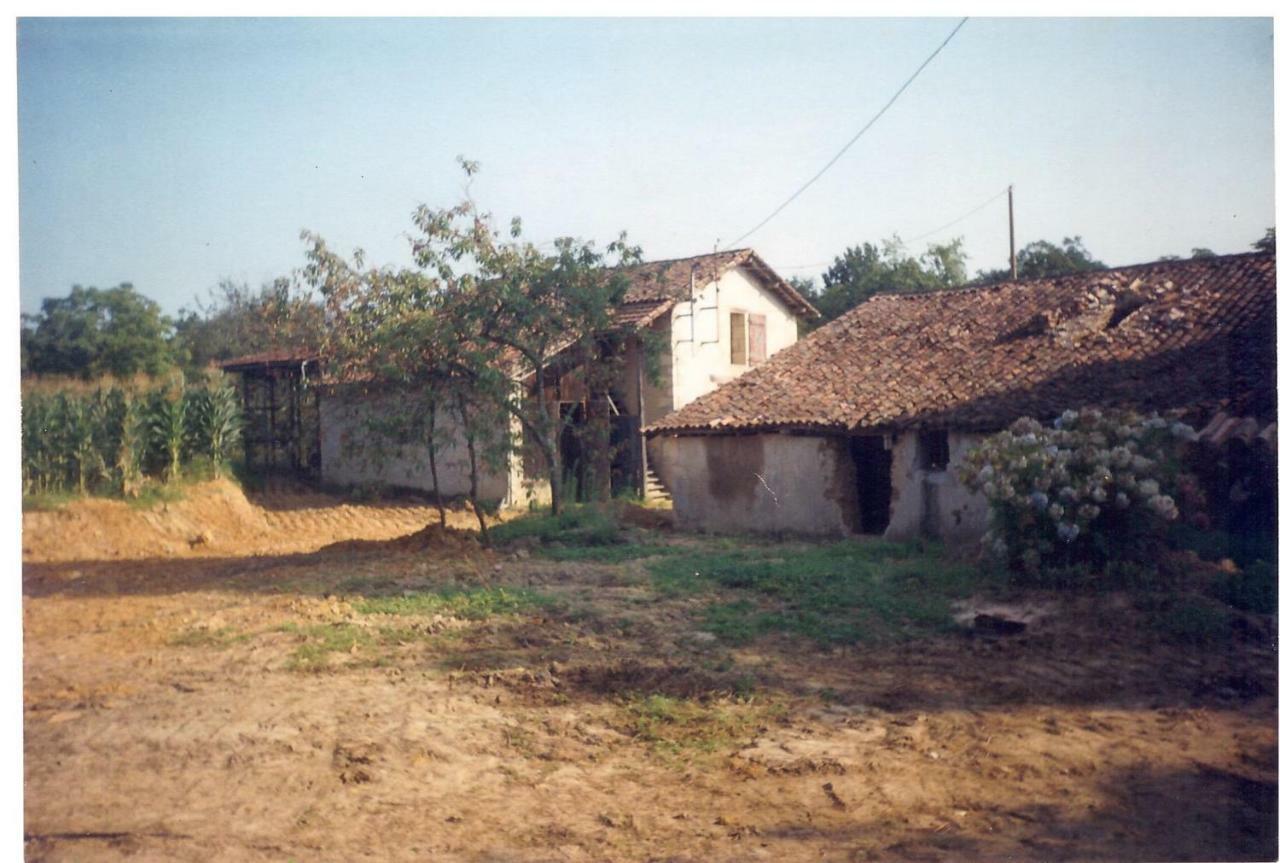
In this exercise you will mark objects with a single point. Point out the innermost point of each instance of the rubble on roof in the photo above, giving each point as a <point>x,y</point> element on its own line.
<point>1196,334</point>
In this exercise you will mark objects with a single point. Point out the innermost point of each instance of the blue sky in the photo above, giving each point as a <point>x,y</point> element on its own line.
<point>176,152</point>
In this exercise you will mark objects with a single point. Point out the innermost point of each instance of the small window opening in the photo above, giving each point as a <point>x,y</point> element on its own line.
<point>935,452</point>
<point>737,339</point>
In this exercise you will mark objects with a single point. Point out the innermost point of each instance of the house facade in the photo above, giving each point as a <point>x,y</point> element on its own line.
<point>708,319</point>
<point>858,428</point>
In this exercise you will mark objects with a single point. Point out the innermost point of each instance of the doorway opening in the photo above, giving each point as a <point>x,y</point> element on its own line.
<point>872,461</point>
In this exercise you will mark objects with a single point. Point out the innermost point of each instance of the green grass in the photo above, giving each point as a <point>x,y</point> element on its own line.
<point>579,525</point>
<point>844,592</point>
<point>607,553</point>
<point>1190,619</point>
<point>320,641</point>
<point>676,726</point>
<point>475,603</point>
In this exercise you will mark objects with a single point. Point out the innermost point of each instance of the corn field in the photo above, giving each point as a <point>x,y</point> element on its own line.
<point>112,437</point>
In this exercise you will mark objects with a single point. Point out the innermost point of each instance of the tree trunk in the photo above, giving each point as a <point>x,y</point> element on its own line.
<point>475,472</point>
<point>431,460</point>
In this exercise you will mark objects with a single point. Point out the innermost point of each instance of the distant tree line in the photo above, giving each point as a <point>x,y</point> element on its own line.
<point>118,332</point>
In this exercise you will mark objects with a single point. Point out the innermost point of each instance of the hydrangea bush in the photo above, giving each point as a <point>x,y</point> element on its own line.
<point>1093,487</point>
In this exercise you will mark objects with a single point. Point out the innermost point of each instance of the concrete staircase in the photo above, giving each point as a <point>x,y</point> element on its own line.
<point>654,490</point>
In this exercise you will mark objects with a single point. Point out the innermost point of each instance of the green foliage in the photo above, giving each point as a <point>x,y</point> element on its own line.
<point>1267,243</point>
<point>1042,259</point>
<point>576,525</point>
<point>97,331</point>
<point>682,725</point>
<point>236,321</point>
<point>108,438</point>
<point>167,428</point>
<point>1251,589</point>
<point>484,325</point>
<point>1093,488</point>
<point>1189,619</point>
<point>839,593</point>
<point>860,273</point>
<point>617,553</point>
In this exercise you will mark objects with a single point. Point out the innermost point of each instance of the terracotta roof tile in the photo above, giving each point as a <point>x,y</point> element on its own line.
<point>1175,334</point>
<point>676,279</point>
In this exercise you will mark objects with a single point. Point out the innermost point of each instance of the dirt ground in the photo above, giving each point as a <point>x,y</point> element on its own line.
<point>172,713</point>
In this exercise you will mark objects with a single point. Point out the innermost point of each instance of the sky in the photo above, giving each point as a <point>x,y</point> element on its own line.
<point>174,153</point>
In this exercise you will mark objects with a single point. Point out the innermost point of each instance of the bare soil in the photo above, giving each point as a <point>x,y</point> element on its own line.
<point>167,714</point>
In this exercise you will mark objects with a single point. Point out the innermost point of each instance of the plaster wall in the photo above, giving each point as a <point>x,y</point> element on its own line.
<point>351,455</point>
<point>700,334</point>
<point>934,503</point>
<point>760,483</point>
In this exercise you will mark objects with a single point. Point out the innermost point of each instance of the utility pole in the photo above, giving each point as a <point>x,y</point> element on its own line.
<point>1013,256</point>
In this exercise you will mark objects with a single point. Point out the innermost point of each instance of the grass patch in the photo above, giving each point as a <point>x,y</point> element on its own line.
<point>843,592</point>
<point>321,642</point>
<point>468,603</point>
<point>215,638</point>
<point>678,726</point>
<point>578,525</point>
<point>1191,619</point>
<point>606,553</point>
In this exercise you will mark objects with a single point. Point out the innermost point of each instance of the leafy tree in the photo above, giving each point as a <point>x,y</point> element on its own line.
<point>1042,260</point>
<point>860,273</point>
<point>484,326</point>
<point>1267,243</point>
<point>236,320</point>
<point>97,331</point>
<point>1200,252</point>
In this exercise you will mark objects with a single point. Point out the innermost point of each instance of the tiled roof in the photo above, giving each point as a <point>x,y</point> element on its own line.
<point>1193,334</point>
<point>677,279</point>
<point>283,357</point>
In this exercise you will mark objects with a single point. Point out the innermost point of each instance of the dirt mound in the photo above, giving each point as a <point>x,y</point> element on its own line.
<point>431,538</point>
<point>217,519</point>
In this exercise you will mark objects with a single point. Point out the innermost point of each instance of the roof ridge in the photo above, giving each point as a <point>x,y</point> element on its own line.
<point>695,257</point>
<point>970,288</point>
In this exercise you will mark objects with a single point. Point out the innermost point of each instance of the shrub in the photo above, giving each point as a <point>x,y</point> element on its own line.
<point>1090,489</point>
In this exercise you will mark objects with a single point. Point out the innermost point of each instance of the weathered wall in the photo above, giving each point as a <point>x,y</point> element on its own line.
<point>760,483</point>
<point>350,454</point>
<point>934,503</point>
<point>701,365</point>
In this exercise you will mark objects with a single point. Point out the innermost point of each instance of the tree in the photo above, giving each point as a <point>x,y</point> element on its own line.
<point>483,326</point>
<point>1267,243</point>
<point>1042,260</point>
<point>860,273</point>
<point>97,331</point>
<point>1200,253</point>
<point>236,320</point>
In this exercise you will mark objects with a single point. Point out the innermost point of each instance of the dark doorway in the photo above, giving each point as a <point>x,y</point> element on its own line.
<point>873,463</point>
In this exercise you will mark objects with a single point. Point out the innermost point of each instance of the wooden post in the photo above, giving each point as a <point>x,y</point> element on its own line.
<point>271,421</point>
<point>1013,256</point>
<point>644,446</point>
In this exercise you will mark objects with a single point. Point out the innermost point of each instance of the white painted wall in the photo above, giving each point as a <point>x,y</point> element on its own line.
<point>700,366</point>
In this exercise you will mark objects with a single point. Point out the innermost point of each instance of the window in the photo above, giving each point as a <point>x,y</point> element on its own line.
<point>746,339</point>
<point>755,340</point>
<point>935,453</point>
<point>737,338</point>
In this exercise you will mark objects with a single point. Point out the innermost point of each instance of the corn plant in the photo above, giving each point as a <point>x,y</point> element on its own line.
<point>167,426</point>
<point>218,423</point>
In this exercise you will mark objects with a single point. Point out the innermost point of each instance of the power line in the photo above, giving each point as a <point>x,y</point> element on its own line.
<point>855,138</point>
<point>997,196</point>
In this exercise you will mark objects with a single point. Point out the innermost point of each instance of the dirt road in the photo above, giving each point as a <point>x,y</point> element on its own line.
<point>210,705</point>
